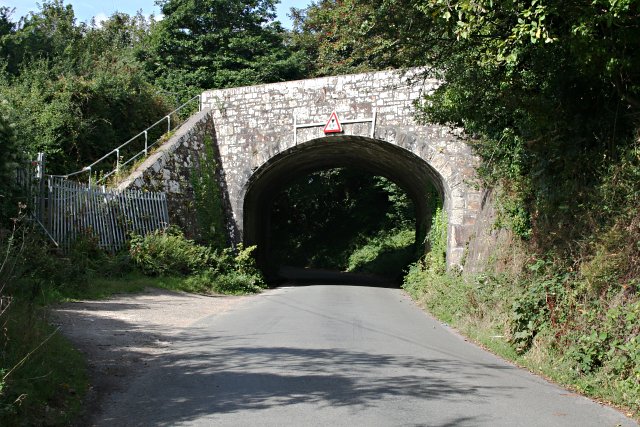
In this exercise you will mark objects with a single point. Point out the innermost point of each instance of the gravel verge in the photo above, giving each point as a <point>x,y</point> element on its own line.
<point>122,336</point>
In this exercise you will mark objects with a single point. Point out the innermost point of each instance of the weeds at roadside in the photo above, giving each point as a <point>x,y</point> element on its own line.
<point>576,326</point>
<point>42,378</point>
<point>168,252</point>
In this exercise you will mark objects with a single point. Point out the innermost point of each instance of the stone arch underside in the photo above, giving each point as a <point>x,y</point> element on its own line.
<point>410,172</point>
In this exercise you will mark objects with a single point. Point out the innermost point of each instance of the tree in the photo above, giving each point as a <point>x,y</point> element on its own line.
<point>546,89</point>
<point>8,158</point>
<point>347,36</point>
<point>77,91</point>
<point>7,29</point>
<point>219,43</point>
<point>49,33</point>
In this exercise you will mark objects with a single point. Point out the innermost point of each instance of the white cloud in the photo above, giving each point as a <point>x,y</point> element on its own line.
<point>100,18</point>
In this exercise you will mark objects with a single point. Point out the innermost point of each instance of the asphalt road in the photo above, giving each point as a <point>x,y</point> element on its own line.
<point>340,356</point>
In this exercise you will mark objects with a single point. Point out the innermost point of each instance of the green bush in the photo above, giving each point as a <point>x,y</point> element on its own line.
<point>8,164</point>
<point>233,283</point>
<point>168,252</point>
<point>44,274</point>
<point>534,307</point>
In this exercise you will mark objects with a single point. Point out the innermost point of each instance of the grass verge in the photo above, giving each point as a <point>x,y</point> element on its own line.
<point>546,318</point>
<point>486,317</point>
<point>44,377</point>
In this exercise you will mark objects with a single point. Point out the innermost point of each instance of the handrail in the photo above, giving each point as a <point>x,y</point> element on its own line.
<point>147,146</point>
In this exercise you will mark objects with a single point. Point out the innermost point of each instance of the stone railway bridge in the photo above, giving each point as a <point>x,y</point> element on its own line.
<point>267,135</point>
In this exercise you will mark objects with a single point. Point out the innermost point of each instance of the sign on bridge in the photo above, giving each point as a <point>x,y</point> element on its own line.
<point>333,125</point>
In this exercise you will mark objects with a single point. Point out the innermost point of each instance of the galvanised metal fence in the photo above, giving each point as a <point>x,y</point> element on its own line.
<point>72,208</point>
<point>66,210</point>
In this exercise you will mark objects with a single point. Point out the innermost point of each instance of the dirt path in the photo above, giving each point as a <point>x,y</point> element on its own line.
<point>122,337</point>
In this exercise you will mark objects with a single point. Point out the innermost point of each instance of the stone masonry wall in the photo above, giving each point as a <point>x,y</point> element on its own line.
<point>254,124</point>
<point>170,167</point>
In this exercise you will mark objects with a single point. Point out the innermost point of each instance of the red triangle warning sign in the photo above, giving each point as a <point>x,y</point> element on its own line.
<point>333,125</point>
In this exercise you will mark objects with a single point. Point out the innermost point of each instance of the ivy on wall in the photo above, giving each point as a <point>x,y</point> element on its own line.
<point>208,198</point>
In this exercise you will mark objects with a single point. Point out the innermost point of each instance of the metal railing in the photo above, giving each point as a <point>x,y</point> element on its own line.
<point>66,209</point>
<point>121,163</point>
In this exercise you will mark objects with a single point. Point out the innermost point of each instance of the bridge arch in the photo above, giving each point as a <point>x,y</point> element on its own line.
<point>411,173</point>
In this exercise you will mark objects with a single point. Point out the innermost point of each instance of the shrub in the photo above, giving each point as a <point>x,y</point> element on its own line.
<point>233,283</point>
<point>168,252</point>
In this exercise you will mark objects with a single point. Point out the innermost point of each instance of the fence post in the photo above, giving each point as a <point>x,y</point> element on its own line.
<point>146,143</point>
<point>168,123</point>
<point>51,201</point>
<point>40,177</point>
<point>40,166</point>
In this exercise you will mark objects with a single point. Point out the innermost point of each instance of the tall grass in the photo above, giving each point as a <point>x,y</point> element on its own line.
<point>42,378</point>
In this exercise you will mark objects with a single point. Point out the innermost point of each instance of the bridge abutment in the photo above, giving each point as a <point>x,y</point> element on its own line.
<point>267,135</point>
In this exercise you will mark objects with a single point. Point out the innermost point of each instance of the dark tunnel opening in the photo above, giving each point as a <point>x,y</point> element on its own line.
<point>279,194</point>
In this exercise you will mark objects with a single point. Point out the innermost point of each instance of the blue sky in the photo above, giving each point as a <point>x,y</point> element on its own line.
<point>86,9</point>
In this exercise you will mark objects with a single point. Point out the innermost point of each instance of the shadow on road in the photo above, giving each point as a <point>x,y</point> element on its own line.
<point>298,276</point>
<point>164,376</point>
<point>245,379</point>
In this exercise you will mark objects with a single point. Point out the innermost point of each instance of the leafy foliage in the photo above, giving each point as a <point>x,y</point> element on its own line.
<point>218,43</point>
<point>320,220</point>
<point>8,165</point>
<point>74,91</point>
<point>167,253</point>
<point>75,119</point>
